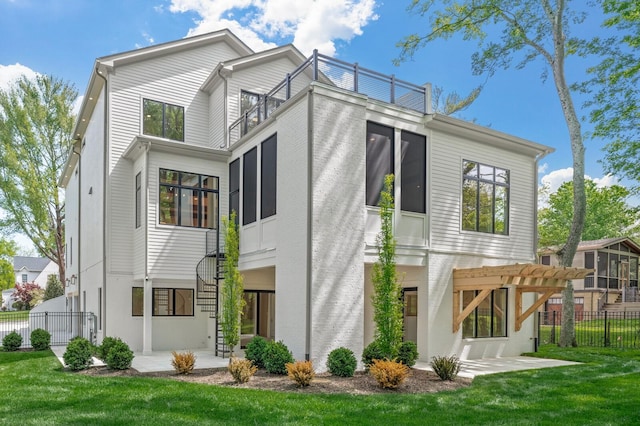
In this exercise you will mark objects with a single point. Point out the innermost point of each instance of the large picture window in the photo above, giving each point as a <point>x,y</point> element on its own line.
<point>249,186</point>
<point>138,200</point>
<point>489,319</point>
<point>162,120</point>
<point>413,173</point>
<point>485,198</point>
<point>188,199</point>
<point>268,168</point>
<point>379,160</point>
<point>166,302</point>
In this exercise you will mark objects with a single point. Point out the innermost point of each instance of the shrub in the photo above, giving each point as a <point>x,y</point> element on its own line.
<point>276,356</point>
<point>255,351</point>
<point>408,353</point>
<point>119,356</point>
<point>183,362</point>
<point>342,362</point>
<point>40,339</point>
<point>12,341</point>
<point>241,369</point>
<point>388,374</point>
<point>301,372</point>
<point>371,352</point>
<point>446,367</point>
<point>103,350</point>
<point>78,355</point>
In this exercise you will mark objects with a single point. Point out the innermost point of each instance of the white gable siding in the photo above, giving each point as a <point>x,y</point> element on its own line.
<point>174,251</point>
<point>139,233</point>
<point>217,120</point>
<point>173,79</point>
<point>445,183</point>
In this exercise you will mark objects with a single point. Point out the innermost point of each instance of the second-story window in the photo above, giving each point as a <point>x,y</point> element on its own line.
<point>379,154</point>
<point>485,198</point>
<point>162,120</point>
<point>188,199</point>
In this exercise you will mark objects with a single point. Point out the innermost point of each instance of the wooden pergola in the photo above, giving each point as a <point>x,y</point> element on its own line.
<point>525,277</point>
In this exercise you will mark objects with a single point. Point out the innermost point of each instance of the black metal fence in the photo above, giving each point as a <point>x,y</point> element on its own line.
<point>63,326</point>
<point>594,328</point>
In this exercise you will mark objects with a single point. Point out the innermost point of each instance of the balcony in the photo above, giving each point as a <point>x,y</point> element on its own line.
<point>347,76</point>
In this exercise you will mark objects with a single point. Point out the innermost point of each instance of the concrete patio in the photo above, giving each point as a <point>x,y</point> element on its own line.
<point>205,358</point>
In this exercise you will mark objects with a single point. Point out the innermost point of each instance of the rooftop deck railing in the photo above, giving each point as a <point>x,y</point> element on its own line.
<point>337,73</point>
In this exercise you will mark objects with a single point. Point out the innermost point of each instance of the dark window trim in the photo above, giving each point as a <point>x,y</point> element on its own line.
<point>153,305</point>
<point>476,316</point>
<point>164,120</point>
<point>477,179</point>
<point>201,196</point>
<point>234,188</point>
<point>409,137</point>
<point>268,181</point>
<point>138,200</point>
<point>372,195</point>
<point>250,186</point>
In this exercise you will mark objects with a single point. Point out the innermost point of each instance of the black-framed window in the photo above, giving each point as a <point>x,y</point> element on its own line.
<point>188,199</point>
<point>176,302</point>
<point>485,198</point>
<point>413,175</point>
<point>545,259</point>
<point>163,120</point>
<point>489,318</point>
<point>234,188</point>
<point>249,186</point>
<point>379,146</point>
<point>268,169</point>
<point>138,200</point>
<point>589,263</point>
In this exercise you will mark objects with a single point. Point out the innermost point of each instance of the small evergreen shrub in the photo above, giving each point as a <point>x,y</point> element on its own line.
<point>254,351</point>
<point>40,339</point>
<point>342,362</point>
<point>78,355</point>
<point>446,367</point>
<point>119,356</point>
<point>241,369</point>
<point>371,352</point>
<point>276,356</point>
<point>388,374</point>
<point>12,341</point>
<point>301,372</point>
<point>408,353</point>
<point>183,362</point>
<point>105,347</point>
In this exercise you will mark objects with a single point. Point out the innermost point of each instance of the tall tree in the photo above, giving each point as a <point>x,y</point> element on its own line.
<point>616,102</point>
<point>7,275</point>
<point>608,214</point>
<point>232,286</point>
<point>36,121</point>
<point>526,30</point>
<point>387,301</point>
<point>452,102</point>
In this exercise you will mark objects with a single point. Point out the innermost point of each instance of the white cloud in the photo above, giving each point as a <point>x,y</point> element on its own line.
<point>542,168</point>
<point>10,73</point>
<point>554,179</point>
<point>311,24</point>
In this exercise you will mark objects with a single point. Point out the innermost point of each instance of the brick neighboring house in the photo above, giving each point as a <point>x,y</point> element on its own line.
<point>613,285</point>
<point>170,137</point>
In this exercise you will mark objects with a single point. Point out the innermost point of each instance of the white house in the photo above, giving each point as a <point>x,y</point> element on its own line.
<point>171,137</point>
<point>29,269</point>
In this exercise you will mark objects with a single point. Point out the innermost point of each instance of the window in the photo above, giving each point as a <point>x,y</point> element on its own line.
<point>138,200</point>
<point>25,277</point>
<point>589,263</point>
<point>379,160</point>
<point>188,199</point>
<point>545,260</point>
<point>166,302</point>
<point>485,198</point>
<point>268,167</point>
<point>234,188</point>
<point>162,120</point>
<point>413,173</point>
<point>249,186</point>
<point>489,319</point>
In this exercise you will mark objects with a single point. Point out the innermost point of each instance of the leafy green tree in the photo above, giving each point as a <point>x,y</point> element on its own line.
<point>608,214</point>
<point>387,301</point>
<point>616,100</point>
<point>7,275</point>
<point>36,122</point>
<point>232,287</point>
<point>523,30</point>
<point>54,287</point>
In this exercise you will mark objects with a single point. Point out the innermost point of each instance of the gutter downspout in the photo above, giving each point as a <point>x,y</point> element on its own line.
<point>307,334</point>
<point>105,175</point>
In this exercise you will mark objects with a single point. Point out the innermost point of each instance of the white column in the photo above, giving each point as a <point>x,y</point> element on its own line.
<point>147,329</point>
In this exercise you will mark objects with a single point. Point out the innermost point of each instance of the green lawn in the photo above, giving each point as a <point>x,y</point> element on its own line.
<point>601,391</point>
<point>619,332</point>
<point>14,316</point>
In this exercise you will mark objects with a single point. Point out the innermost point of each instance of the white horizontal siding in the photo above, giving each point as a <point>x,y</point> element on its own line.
<point>217,120</point>
<point>445,183</point>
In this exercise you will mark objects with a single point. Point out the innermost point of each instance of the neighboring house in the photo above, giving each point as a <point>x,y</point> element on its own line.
<point>36,270</point>
<point>171,137</point>
<point>8,300</point>
<point>614,282</point>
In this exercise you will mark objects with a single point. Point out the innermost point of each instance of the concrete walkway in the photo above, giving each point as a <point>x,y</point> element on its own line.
<point>161,361</point>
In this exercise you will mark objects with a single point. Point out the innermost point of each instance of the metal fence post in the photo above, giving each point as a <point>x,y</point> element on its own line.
<point>46,321</point>
<point>553,327</point>
<point>606,335</point>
